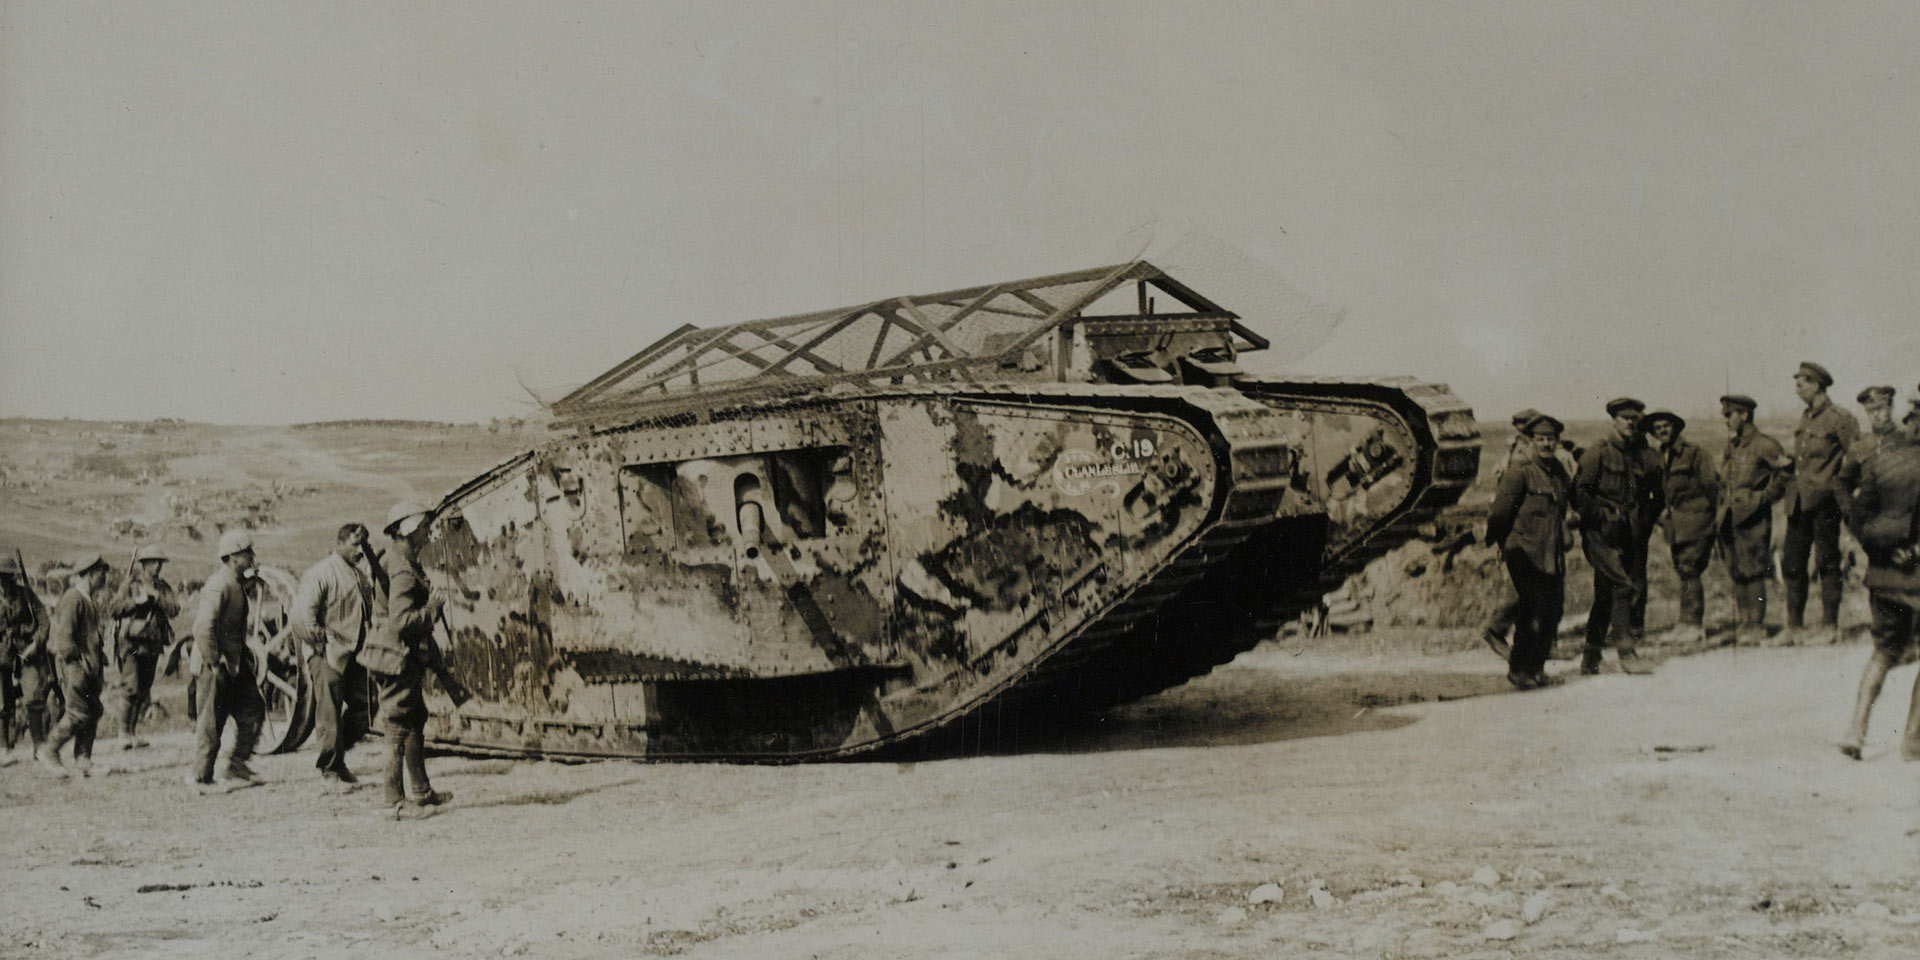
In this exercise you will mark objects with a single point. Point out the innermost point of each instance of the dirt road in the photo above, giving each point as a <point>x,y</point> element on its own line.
<point>1701,812</point>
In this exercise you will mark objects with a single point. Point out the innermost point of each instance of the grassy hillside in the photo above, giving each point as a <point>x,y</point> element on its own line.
<point>71,485</point>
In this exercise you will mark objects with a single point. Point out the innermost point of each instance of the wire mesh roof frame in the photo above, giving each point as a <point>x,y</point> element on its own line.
<point>935,337</point>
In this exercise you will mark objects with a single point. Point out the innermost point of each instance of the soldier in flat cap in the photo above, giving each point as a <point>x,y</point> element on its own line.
<point>1692,488</point>
<point>1618,494</point>
<point>1877,403</point>
<point>1886,520</point>
<point>75,642</point>
<point>1529,524</point>
<point>1820,443</point>
<point>1754,471</point>
<point>25,667</point>
<point>223,669</point>
<point>141,615</point>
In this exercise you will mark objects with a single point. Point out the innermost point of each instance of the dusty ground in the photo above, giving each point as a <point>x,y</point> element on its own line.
<point>1701,812</point>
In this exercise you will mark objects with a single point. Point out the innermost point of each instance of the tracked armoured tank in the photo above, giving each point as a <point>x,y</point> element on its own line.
<point>926,522</point>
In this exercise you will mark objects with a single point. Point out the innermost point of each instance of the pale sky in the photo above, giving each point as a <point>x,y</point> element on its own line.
<point>269,213</point>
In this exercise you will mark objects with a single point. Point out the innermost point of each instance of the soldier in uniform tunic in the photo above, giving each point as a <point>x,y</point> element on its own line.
<point>332,612</point>
<point>24,666</point>
<point>1754,471</point>
<point>1886,519</point>
<point>223,669</point>
<point>1618,497</point>
<point>142,617</point>
<point>1529,524</point>
<point>1520,449</point>
<point>400,655</point>
<point>75,643</point>
<point>1692,488</point>
<point>1877,403</point>
<point>1820,442</point>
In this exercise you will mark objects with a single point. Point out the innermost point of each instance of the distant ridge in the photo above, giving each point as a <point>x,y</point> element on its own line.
<point>414,424</point>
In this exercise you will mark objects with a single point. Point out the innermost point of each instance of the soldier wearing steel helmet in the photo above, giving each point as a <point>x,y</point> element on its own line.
<point>224,670</point>
<point>25,668</point>
<point>141,615</point>
<point>400,654</point>
<point>1754,472</point>
<point>1692,488</point>
<point>1618,496</point>
<point>1820,443</point>
<point>74,640</point>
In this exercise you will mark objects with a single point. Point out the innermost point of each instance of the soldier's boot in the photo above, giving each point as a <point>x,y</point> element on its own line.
<point>1871,680</point>
<point>83,748</point>
<point>391,774</point>
<point>420,790</point>
<point>37,727</point>
<point>130,725</point>
<point>245,735</point>
<point>1632,663</point>
<point>1830,606</point>
<point>1796,605</point>
<point>50,750</point>
<point>1590,660</point>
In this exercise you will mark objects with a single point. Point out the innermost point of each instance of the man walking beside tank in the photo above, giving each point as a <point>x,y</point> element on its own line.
<point>1692,490</point>
<point>1754,472</point>
<point>1529,524</point>
<point>75,642</point>
<point>1886,519</point>
<point>399,656</point>
<point>223,668</point>
<point>24,664</point>
<point>1618,497</point>
<point>1519,451</point>
<point>1813,513</point>
<point>332,610</point>
<point>142,617</point>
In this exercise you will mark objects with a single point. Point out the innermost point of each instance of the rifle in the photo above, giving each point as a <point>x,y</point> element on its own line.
<point>33,596</point>
<point>456,690</point>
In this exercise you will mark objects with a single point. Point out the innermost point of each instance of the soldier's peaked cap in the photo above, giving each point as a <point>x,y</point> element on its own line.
<point>234,541</point>
<point>84,563</point>
<point>1666,416</point>
<point>1740,400</point>
<point>1815,372</point>
<point>1874,395</point>
<point>1525,417</point>
<point>1618,404</point>
<point>151,551</point>
<point>1542,423</point>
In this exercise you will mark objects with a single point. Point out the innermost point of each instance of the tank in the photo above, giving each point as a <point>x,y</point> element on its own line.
<point>916,525</point>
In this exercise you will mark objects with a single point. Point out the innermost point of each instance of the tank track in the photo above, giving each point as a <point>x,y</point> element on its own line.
<point>1226,592</point>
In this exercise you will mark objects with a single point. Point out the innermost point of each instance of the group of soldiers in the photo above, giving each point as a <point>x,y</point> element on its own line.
<point>363,620</point>
<point>1646,474</point>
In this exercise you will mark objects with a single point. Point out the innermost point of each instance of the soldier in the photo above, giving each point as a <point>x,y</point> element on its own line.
<point>1754,471</point>
<point>1877,402</point>
<point>399,656</point>
<point>223,669</point>
<point>24,663</point>
<point>1529,524</point>
<point>1618,497</point>
<point>1520,448</point>
<point>1692,489</point>
<point>142,616</point>
<point>1813,513</point>
<point>74,640</point>
<point>332,610</point>
<point>1886,509</point>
